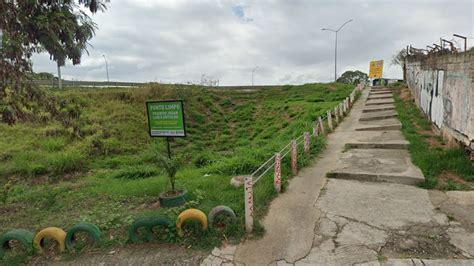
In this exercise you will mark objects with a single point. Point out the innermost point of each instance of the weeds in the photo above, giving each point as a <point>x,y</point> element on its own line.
<point>433,161</point>
<point>230,133</point>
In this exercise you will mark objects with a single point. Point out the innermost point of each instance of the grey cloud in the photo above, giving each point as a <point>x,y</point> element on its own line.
<point>178,41</point>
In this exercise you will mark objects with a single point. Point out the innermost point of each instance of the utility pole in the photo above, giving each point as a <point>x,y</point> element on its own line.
<point>253,72</point>
<point>106,68</point>
<point>335,46</point>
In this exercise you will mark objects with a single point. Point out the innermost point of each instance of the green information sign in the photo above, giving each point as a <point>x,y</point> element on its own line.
<point>166,118</point>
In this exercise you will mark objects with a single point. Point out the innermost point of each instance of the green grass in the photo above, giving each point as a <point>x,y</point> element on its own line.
<point>105,172</point>
<point>432,160</point>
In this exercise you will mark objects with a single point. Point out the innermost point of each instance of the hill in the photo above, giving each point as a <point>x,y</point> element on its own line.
<point>98,163</point>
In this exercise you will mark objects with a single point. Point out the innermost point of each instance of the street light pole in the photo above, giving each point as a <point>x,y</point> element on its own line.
<point>335,46</point>
<point>106,68</point>
<point>335,60</point>
<point>253,71</point>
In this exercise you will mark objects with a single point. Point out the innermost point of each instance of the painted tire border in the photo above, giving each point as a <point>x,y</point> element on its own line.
<point>191,214</point>
<point>148,223</point>
<point>24,237</point>
<point>221,210</point>
<point>55,233</point>
<point>91,229</point>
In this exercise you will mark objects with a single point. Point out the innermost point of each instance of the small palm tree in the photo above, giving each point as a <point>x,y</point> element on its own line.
<point>170,166</point>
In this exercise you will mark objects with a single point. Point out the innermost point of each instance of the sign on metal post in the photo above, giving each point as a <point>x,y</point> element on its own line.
<point>294,158</point>
<point>330,121</point>
<point>307,142</point>
<point>166,119</point>
<point>277,174</point>
<point>376,69</point>
<point>321,126</point>
<point>248,190</point>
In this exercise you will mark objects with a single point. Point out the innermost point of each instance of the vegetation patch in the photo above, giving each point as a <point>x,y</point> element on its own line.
<point>105,146</point>
<point>445,167</point>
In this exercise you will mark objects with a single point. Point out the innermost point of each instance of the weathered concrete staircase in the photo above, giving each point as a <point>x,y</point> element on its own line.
<point>377,150</point>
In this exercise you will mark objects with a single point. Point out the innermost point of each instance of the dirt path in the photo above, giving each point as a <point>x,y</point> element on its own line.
<point>137,254</point>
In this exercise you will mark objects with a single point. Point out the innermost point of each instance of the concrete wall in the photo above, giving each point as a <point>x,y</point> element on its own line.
<point>443,87</point>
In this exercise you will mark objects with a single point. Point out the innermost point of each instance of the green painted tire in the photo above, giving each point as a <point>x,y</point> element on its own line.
<point>162,221</point>
<point>139,223</point>
<point>221,210</point>
<point>91,229</point>
<point>24,237</point>
<point>173,201</point>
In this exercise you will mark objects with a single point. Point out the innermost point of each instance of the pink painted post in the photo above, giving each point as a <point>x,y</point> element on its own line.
<point>321,126</point>
<point>315,131</point>
<point>248,190</point>
<point>330,121</point>
<point>336,115</point>
<point>306,142</point>
<point>294,159</point>
<point>277,174</point>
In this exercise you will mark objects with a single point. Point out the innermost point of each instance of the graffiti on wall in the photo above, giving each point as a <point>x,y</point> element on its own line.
<point>443,95</point>
<point>429,86</point>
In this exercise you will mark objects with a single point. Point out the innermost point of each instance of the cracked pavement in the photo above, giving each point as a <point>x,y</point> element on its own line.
<point>363,215</point>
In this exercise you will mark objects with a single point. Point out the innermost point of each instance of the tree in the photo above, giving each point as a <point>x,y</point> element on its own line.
<point>59,28</point>
<point>353,77</point>
<point>399,59</point>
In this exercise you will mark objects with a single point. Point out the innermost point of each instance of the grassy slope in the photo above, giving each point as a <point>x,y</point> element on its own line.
<point>444,167</point>
<point>108,175</point>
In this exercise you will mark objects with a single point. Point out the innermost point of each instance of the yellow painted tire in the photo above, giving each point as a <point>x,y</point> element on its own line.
<point>55,233</point>
<point>191,214</point>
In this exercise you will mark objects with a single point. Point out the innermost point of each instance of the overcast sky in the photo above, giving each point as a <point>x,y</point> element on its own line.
<point>179,41</point>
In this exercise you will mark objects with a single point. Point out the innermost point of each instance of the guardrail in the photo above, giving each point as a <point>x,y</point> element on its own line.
<point>73,83</point>
<point>291,148</point>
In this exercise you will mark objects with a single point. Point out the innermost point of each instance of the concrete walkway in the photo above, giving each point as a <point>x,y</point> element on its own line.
<point>368,212</point>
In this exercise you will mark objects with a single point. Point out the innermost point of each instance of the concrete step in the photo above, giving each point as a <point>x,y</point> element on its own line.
<point>379,102</point>
<point>381,127</point>
<point>376,97</point>
<point>376,125</point>
<point>380,92</point>
<point>377,145</point>
<point>377,165</point>
<point>378,108</point>
<point>378,115</point>
<point>390,139</point>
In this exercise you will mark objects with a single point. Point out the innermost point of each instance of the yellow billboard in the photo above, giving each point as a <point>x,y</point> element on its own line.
<point>376,68</point>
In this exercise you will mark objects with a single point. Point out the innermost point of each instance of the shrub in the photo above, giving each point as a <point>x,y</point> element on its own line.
<point>136,172</point>
<point>66,162</point>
